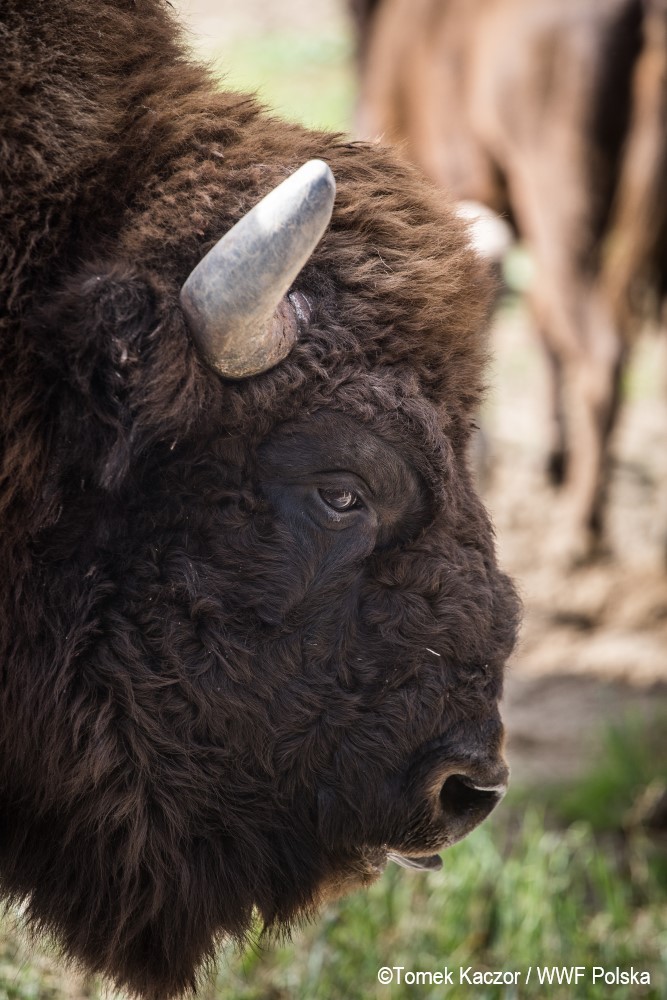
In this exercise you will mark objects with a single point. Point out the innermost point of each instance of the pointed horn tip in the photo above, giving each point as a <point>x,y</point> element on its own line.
<point>316,177</point>
<point>319,171</point>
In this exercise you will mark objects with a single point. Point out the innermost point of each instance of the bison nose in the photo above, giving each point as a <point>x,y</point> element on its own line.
<point>458,797</point>
<point>463,803</point>
<point>463,793</point>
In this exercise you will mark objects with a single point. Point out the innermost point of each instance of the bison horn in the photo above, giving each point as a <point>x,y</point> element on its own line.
<point>233,300</point>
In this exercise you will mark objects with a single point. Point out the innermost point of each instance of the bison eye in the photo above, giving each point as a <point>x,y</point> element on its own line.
<point>340,500</point>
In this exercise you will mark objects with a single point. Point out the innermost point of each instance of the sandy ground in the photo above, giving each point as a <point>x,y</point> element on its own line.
<point>594,643</point>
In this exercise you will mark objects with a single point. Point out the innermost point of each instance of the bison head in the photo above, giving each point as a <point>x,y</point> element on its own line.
<point>257,633</point>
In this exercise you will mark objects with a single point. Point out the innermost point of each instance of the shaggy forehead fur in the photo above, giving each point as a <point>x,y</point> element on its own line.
<point>182,740</point>
<point>125,150</point>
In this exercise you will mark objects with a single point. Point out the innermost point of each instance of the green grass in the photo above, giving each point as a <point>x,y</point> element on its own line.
<point>28,973</point>
<point>560,882</point>
<point>304,78</point>
<point>633,756</point>
<point>503,902</point>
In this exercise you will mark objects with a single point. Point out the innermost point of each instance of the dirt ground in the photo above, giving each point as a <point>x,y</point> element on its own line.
<point>594,643</point>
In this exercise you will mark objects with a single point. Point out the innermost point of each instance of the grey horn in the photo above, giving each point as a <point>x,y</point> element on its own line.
<point>234,298</point>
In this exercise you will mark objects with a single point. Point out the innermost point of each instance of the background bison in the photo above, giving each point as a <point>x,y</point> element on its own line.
<point>552,113</point>
<point>252,631</point>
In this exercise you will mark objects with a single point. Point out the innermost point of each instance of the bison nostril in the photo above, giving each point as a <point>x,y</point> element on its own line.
<point>461,800</point>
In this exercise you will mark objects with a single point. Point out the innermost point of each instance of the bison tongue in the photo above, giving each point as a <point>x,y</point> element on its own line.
<point>432,863</point>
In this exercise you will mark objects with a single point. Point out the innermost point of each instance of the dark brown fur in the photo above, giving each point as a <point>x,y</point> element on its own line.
<point>201,713</point>
<point>552,112</point>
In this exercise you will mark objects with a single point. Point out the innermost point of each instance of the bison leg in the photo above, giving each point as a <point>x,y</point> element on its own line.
<point>557,455</point>
<point>595,387</point>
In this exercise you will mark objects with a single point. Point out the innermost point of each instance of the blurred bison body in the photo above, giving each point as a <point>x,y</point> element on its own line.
<point>252,631</point>
<point>552,112</point>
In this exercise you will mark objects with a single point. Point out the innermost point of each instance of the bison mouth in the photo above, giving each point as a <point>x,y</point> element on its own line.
<point>367,867</point>
<point>451,810</point>
<point>439,799</point>
<point>432,862</point>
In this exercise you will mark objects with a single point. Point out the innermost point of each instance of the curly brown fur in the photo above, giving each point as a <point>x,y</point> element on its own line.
<point>207,710</point>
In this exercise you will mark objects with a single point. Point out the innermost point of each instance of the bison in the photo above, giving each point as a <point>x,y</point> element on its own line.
<point>252,628</point>
<point>554,113</point>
